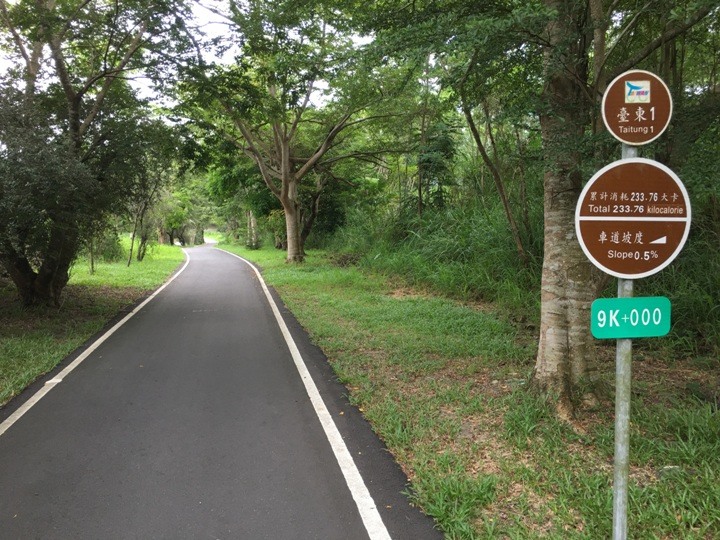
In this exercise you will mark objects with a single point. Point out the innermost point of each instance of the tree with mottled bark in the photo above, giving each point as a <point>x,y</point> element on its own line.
<point>547,62</point>
<point>574,36</point>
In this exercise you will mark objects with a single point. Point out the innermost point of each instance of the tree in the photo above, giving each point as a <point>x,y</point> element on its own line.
<point>565,52</point>
<point>41,185</point>
<point>72,61</point>
<point>155,165</point>
<point>235,187</point>
<point>268,102</point>
<point>574,38</point>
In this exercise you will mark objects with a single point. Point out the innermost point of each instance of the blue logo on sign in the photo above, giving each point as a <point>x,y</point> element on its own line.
<point>637,91</point>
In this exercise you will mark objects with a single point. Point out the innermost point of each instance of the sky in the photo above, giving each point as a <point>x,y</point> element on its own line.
<point>204,16</point>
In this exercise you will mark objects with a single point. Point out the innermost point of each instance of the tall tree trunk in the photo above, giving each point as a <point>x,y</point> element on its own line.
<point>291,206</point>
<point>314,209</point>
<point>132,244</point>
<point>421,167</point>
<point>251,240</point>
<point>295,251</point>
<point>199,239</point>
<point>138,225</point>
<point>47,283</point>
<point>600,24</point>
<point>523,189</point>
<point>54,272</point>
<point>142,245</point>
<point>565,350</point>
<point>498,183</point>
<point>91,246</point>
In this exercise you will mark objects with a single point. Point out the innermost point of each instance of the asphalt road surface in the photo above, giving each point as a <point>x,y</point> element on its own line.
<point>196,418</point>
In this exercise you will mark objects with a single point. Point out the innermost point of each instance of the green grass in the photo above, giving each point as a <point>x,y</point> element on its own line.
<point>34,340</point>
<point>443,383</point>
<point>159,262</point>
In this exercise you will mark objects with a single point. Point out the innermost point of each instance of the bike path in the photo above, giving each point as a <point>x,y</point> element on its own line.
<point>192,421</point>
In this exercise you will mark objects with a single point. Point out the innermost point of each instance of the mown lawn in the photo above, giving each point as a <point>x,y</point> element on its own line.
<point>444,384</point>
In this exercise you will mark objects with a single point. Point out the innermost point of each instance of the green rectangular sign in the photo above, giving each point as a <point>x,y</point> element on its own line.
<point>627,318</point>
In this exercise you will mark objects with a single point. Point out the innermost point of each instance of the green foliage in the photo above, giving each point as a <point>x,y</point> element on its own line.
<point>463,252</point>
<point>275,226</point>
<point>108,247</point>
<point>41,183</point>
<point>692,282</point>
<point>235,186</point>
<point>176,214</point>
<point>78,104</point>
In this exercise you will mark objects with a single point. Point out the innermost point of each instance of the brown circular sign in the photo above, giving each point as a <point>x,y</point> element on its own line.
<point>633,218</point>
<point>637,107</point>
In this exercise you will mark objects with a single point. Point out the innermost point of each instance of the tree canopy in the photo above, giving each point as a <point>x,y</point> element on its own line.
<point>72,61</point>
<point>417,116</point>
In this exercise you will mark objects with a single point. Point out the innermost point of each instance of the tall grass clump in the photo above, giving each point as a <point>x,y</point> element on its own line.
<point>464,252</point>
<point>692,283</point>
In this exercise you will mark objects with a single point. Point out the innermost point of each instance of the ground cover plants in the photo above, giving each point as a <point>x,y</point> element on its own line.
<point>443,383</point>
<point>34,340</point>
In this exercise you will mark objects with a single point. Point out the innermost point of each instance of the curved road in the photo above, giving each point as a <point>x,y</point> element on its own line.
<point>192,420</point>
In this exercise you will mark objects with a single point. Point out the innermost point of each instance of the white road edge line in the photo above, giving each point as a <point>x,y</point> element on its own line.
<point>366,505</point>
<point>49,385</point>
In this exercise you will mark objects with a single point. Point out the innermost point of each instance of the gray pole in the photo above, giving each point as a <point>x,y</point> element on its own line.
<point>623,371</point>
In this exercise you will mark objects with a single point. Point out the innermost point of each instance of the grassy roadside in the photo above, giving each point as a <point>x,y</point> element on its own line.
<point>444,385</point>
<point>34,340</point>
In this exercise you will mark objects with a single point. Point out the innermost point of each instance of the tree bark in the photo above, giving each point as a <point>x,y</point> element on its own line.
<point>22,275</point>
<point>132,244</point>
<point>91,250</point>
<point>253,241</point>
<point>565,350</point>
<point>291,206</point>
<point>54,272</point>
<point>314,210</point>
<point>46,284</point>
<point>199,236</point>
<point>142,246</point>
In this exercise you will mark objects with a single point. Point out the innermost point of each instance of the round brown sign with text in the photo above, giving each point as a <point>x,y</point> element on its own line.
<point>633,218</point>
<point>637,107</point>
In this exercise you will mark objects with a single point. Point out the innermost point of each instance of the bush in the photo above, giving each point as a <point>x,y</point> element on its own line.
<point>692,282</point>
<point>108,248</point>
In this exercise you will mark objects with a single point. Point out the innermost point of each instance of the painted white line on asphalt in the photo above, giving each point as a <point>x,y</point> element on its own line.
<point>366,505</point>
<point>49,385</point>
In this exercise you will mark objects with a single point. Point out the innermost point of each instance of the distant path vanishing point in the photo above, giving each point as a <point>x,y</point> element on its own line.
<point>201,416</point>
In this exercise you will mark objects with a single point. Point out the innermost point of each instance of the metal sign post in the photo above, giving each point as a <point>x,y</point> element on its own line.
<point>623,373</point>
<point>632,220</point>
